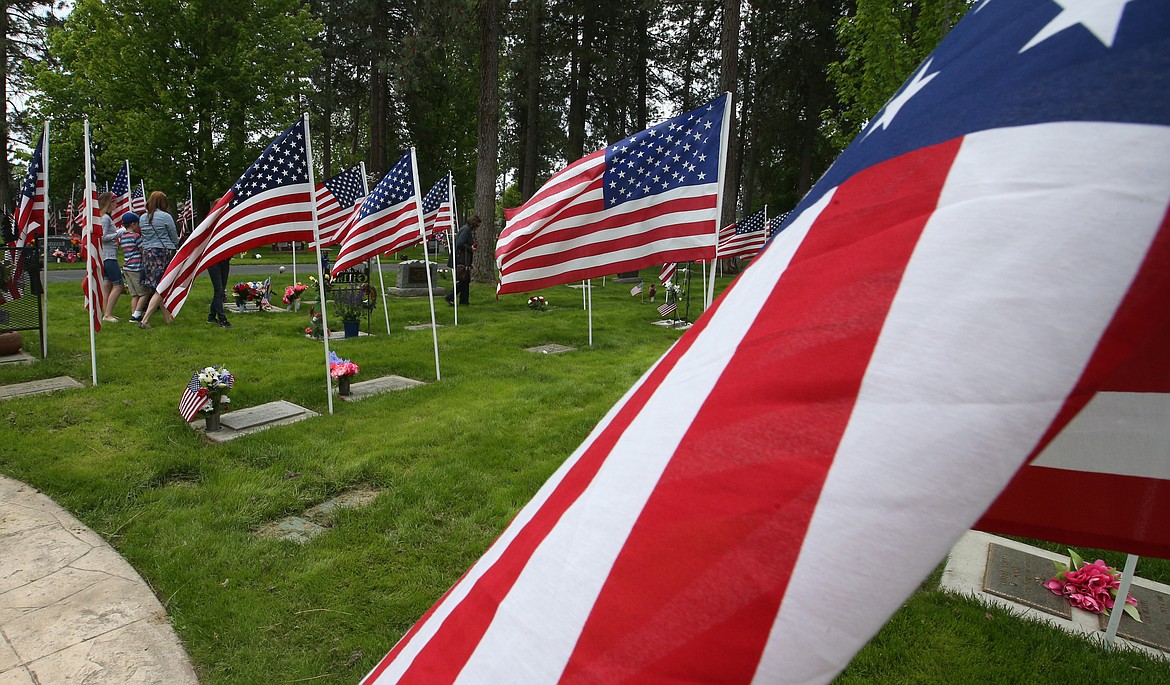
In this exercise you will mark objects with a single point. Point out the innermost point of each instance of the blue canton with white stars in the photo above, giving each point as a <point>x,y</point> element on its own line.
<point>436,196</point>
<point>121,182</point>
<point>683,151</point>
<point>395,187</point>
<point>751,224</point>
<point>29,187</point>
<point>283,163</point>
<point>347,186</point>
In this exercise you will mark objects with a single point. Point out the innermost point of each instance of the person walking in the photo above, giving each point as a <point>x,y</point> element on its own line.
<point>218,273</point>
<point>160,239</point>
<point>131,243</point>
<point>112,285</point>
<point>462,258</point>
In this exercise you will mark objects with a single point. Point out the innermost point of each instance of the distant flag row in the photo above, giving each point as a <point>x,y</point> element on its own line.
<point>30,214</point>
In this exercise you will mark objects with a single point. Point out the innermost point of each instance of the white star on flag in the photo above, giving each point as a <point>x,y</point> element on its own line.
<point>1100,17</point>
<point>898,101</point>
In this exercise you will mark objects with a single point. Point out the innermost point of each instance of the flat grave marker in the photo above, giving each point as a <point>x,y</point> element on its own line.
<point>1019,576</point>
<point>363,389</point>
<point>20,357</point>
<point>551,348</point>
<point>254,419</point>
<point>1154,629</point>
<point>40,387</point>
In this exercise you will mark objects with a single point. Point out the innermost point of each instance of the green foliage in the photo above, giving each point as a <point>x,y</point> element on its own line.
<point>883,42</point>
<point>173,87</point>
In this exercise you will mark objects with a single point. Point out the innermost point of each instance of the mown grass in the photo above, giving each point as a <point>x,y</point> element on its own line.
<point>456,459</point>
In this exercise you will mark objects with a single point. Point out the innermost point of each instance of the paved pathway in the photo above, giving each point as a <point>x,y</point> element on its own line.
<point>71,609</point>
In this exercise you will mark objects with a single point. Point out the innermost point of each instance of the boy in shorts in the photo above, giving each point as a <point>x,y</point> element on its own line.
<point>131,243</point>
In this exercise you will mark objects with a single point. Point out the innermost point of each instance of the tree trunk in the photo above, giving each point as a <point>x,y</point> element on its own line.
<point>579,97</point>
<point>729,49</point>
<point>379,83</point>
<point>531,160</point>
<point>488,138</point>
<point>643,67</point>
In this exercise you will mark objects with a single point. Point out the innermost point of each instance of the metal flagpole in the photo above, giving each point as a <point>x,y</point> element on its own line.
<point>45,248</point>
<point>422,232</point>
<point>1119,602</point>
<point>724,143</point>
<point>451,244</point>
<point>589,290</point>
<point>705,303</point>
<point>89,276</point>
<point>377,258</point>
<point>584,300</point>
<point>320,275</point>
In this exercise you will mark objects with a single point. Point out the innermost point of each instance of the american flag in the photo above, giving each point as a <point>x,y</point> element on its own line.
<point>647,199</point>
<point>91,240</point>
<point>748,237</point>
<point>636,290</point>
<point>387,221</point>
<point>667,272</point>
<point>336,200</point>
<point>121,191</point>
<point>272,202</point>
<point>30,217</point>
<point>775,223</point>
<point>138,199</point>
<point>862,392</point>
<point>437,215</point>
<point>668,308</point>
<point>193,400</point>
<point>186,214</point>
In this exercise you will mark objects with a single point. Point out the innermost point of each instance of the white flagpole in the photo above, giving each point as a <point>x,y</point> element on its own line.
<point>422,233</point>
<point>589,290</point>
<point>320,275</point>
<point>1119,603</point>
<point>45,249</point>
<point>724,143</point>
<point>705,302</point>
<point>86,236</point>
<point>294,243</point>
<point>584,297</point>
<point>191,204</point>
<point>451,244</point>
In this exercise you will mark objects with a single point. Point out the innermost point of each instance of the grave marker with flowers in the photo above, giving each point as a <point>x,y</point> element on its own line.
<point>342,370</point>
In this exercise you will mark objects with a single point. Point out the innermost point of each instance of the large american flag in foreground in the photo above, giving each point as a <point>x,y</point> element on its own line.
<point>747,236</point>
<point>336,200</point>
<point>986,257</point>
<point>645,200</point>
<point>387,221</point>
<point>271,203</point>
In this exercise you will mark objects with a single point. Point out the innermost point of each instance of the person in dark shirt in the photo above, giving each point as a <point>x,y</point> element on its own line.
<point>464,252</point>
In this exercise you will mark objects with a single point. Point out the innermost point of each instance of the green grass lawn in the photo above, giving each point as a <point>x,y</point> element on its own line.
<point>456,460</point>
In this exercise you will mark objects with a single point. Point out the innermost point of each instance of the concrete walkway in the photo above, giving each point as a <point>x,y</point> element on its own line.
<point>71,609</point>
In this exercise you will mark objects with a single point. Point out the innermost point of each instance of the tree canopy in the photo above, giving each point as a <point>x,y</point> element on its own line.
<point>198,87</point>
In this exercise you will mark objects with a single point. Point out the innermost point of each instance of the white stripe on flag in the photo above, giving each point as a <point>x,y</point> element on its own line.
<point>1020,325</point>
<point>1128,427</point>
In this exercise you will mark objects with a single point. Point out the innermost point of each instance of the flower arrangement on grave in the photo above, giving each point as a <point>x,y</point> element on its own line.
<point>58,254</point>
<point>352,305</point>
<point>342,370</point>
<point>244,291</point>
<point>71,257</point>
<point>1092,587</point>
<point>339,367</point>
<point>315,329</point>
<point>206,393</point>
<point>675,290</point>
<point>538,303</point>
<point>315,285</point>
<point>293,292</point>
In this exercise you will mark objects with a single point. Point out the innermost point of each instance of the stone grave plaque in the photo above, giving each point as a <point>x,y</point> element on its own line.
<point>258,416</point>
<point>422,327</point>
<point>38,387</point>
<point>291,528</point>
<point>1154,608</point>
<point>364,389</point>
<point>1020,576</point>
<point>551,348</point>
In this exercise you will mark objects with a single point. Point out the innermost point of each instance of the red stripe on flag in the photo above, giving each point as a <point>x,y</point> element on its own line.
<point>1035,502</point>
<point>667,612</point>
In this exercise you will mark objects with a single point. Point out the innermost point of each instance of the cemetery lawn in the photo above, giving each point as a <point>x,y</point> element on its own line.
<point>455,460</point>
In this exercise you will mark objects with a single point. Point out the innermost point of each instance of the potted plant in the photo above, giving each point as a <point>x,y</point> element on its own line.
<point>353,305</point>
<point>538,303</point>
<point>292,295</point>
<point>244,293</point>
<point>342,370</point>
<point>214,384</point>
